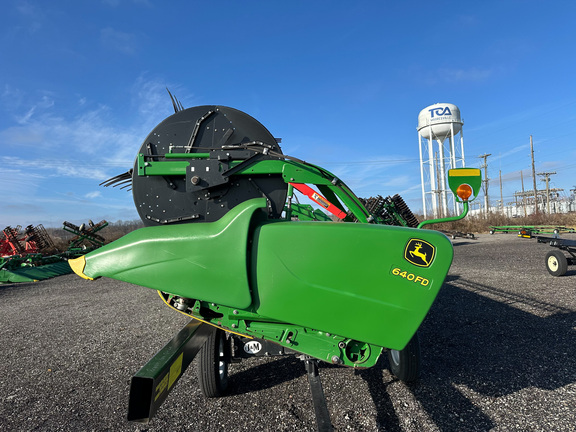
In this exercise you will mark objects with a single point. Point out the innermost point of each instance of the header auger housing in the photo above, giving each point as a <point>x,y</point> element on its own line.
<point>227,243</point>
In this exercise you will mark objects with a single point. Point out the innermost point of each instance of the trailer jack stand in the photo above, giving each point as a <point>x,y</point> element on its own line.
<point>319,400</point>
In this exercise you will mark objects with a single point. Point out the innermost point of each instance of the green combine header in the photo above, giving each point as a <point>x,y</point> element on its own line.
<point>228,244</point>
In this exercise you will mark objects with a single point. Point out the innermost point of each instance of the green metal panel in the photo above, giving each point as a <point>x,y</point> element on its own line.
<point>347,197</point>
<point>305,212</point>
<point>300,173</point>
<point>367,282</point>
<point>260,167</point>
<point>163,168</point>
<point>321,345</point>
<point>205,261</point>
<point>334,189</point>
<point>187,155</point>
<point>362,281</point>
<point>33,274</point>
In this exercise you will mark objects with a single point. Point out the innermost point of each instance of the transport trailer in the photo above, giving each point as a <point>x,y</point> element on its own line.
<point>456,234</point>
<point>557,260</point>
<point>534,229</point>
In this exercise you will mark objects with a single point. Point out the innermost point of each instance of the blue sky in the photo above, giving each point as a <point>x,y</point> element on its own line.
<point>82,83</point>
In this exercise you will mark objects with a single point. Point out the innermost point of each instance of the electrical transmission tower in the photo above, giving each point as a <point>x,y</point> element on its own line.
<point>546,176</point>
<point>485,181</point>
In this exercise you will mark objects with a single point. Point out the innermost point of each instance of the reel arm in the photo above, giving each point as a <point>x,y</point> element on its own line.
<point>221,169</point>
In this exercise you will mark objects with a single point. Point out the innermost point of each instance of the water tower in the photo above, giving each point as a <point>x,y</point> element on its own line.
<point>438,126</point>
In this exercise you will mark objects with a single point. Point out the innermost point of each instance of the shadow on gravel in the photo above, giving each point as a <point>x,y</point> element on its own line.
<point>266,375</point>
<point>386,416</point>
<point>475,344</point>
<point>15,285</point>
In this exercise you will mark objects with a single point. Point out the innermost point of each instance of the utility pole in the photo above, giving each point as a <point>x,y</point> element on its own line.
<point>534,177</point>
<point>523,195</point>
<point>485,181</point>
<point>546,176</point>
<point>501,197</point>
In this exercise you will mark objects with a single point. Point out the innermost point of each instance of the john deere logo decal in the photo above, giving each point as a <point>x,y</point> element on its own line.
<point>419,252</point>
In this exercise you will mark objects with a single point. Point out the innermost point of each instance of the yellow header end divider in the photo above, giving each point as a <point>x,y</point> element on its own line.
<point>464,172</point>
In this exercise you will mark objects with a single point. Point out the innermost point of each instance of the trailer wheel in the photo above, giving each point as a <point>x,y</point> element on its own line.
<point>556,263</point>
<point>405,364</point>
<point>213,364</point>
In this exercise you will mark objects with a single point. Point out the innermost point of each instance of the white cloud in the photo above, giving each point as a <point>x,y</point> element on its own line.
<point>151,99</point>
<point>27,116</point>
<point>92,195</point>
<point>69,169</point>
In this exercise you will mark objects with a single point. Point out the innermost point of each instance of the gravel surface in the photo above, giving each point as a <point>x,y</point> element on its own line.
<point>498,353</point>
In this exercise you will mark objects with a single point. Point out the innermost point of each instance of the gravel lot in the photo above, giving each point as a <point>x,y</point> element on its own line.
<point>498,347</point>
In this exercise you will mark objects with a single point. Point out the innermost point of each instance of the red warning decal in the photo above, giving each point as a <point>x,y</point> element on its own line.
<point>319,199</point>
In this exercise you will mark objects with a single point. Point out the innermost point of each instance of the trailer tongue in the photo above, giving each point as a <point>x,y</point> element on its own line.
<point>227,244</point>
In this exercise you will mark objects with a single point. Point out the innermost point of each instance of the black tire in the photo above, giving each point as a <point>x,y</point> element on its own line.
<point>405,364</point>
<point>213,364</point>
<point>556,263</point>
<point>491,232</point>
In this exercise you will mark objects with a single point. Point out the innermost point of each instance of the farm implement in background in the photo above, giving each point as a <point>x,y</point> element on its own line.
<point>456,234</point>
<point>34,239</point>
<point>227,243</point>
<point>531,229</point>
<point>85,237</point>
<point>30,255</point>
<point>563,255</point>
<point>557,261</point>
